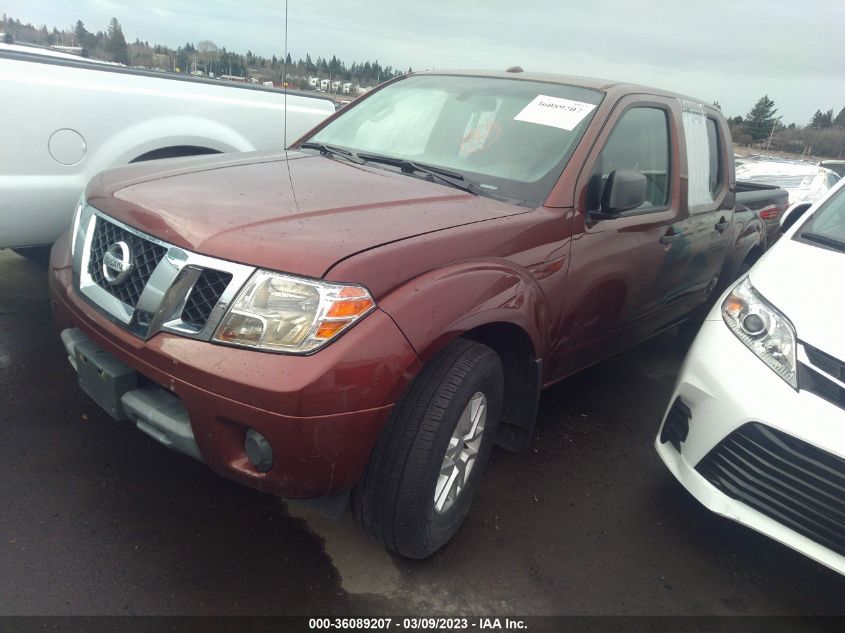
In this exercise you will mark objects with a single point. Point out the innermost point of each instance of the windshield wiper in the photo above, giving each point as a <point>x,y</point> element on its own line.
<point>449,178</point>
<point>832,242</point>
<point>330,150</point>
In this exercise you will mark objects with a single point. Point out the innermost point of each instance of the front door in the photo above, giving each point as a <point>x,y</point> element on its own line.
<point>622,269</point>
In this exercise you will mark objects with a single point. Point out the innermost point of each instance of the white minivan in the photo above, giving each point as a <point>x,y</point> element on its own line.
<point>755,428</point>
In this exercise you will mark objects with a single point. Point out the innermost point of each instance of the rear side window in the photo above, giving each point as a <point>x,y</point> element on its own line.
<point>704,156</point>
<point>639,142</point>
<point>715,158</point>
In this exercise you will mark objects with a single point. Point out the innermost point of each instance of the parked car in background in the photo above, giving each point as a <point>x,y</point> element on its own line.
<point>834,165</point>
<point>364,317</point>
<point>66,118</point>
<point>768,201</point>
<point>755,429</point>
<point>804,182</point>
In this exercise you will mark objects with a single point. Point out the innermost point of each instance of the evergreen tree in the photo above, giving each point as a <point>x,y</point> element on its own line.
<point>761,119</point>
<point>83,37</point>
<point>839,121</point>
<point>822,120</point>
<point>116,44</point>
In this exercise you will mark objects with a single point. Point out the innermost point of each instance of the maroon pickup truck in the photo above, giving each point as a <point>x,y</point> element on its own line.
<point>362,317</point>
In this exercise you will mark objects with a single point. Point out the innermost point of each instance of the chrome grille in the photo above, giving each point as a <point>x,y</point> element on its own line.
<point>145,257</point>
<point>206,293</point>
<point>166,288</point>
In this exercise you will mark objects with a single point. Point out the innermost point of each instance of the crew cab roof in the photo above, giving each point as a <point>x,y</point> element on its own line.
<point>611,87</point>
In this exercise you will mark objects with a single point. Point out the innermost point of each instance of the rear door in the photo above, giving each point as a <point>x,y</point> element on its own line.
<point>710,204</point>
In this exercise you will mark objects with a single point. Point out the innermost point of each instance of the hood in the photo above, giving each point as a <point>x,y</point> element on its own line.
<point>300,214</point>
<point>805,283</point>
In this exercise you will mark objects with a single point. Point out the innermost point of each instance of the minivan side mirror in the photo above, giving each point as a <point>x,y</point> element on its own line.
<point>624,190</point>
<point>793,214</point>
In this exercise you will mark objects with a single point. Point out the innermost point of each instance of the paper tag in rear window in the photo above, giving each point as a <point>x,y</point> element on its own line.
<point>555,112</point>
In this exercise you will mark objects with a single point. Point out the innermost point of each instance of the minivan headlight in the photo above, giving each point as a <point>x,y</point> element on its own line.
<point>283,313</point>
<point>763,329</point>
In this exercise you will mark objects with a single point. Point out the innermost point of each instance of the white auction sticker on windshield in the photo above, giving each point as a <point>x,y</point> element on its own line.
<point>554,111</point>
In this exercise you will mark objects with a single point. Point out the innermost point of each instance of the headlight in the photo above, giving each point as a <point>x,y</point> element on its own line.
<point>75,224</point>
<point>763,329</point>
<point>282,313</point>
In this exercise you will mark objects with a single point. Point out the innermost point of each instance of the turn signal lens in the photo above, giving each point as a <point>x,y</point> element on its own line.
<point>284,313</point>
<point>329,329</point>
<point>345,309</point>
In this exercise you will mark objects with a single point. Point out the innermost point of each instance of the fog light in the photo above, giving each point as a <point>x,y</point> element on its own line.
<point>258,450</point>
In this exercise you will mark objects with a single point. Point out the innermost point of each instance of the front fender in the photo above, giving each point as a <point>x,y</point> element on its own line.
<point>438,306</point>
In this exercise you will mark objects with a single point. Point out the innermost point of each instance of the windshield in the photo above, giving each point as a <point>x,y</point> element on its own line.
<point>827,225</point>
<point>506,138</point>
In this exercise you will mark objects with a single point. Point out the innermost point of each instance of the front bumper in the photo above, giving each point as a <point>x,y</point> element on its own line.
<point>726,387</point>
<point>321,413</point>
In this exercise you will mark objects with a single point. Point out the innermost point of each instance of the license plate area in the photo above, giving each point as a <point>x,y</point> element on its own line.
<point>104,377</point>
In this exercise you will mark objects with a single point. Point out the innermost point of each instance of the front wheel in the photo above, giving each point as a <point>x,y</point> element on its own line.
<point>426,466</point>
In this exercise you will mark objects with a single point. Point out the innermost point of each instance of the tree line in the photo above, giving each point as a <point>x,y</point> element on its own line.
<point>204,56</point>
<point>823,135</point>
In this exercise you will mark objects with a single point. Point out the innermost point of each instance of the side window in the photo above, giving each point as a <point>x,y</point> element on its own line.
<point>715,158</point>
<point>639,142</point>
<point>704,156</point>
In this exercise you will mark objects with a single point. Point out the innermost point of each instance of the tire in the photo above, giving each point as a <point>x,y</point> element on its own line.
<point>394,501</point>
<point>38,254</point>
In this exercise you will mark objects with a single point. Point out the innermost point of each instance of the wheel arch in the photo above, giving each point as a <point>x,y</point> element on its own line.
<point>491,302</point>
<point>523,380</point>
<point>163,134</point>
<point>174,151</point>
<point>749,242</point>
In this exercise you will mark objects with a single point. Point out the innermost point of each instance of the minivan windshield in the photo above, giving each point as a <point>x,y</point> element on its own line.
<point>505,138</point>
<point>826,226</point>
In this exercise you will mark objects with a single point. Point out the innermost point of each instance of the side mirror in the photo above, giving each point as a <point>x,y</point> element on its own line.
<point>624,190</point>
<point>793,214</point>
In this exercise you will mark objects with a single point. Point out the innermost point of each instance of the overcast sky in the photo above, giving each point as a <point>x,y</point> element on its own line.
<point>726,50</point>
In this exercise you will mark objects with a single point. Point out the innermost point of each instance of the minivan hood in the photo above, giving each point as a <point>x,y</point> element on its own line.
<point>299,213</point>
<point>805,283</point>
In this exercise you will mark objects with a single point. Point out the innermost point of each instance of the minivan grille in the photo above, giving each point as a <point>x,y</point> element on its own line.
<point>787,479</point>
<point>145,257</point>
<point>204,296</point>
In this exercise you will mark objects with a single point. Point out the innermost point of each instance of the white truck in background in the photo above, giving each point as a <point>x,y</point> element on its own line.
<point>63,119</point>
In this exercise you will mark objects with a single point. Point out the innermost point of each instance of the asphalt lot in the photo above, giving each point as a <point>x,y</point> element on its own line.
<point>95,518</point>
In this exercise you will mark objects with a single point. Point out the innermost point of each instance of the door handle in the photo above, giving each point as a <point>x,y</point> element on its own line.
<point>671,236</point>
<point>721,225</point>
